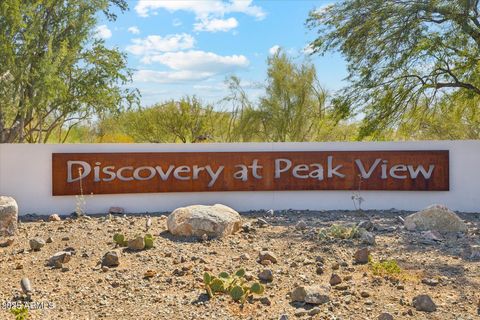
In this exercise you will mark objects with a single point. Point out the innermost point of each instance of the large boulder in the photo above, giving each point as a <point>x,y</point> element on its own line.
<point>8,216</point>
<point>435,217</point>
<point>198,220</point>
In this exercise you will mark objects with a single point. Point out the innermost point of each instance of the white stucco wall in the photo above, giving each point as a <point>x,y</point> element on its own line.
<point>25,174</point>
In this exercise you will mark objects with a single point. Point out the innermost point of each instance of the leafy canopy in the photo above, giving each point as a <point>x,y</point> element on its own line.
<point>54,72</point>
<point>401,54</point>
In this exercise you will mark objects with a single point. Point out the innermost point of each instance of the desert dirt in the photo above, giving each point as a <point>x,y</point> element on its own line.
<point>85,290</point>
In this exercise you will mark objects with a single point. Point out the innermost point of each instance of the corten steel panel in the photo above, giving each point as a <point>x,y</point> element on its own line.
<point>439,180</point>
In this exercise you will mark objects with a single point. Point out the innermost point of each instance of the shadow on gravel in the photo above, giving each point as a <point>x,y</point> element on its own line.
<point>168,236</point>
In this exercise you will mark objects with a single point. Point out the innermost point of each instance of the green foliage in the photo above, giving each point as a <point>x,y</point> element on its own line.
<point>148,241</point>
<point>384,267</point>
<point>403,56</point>
<point>339,232</point>
<point>234,285</point>
<point>20,313</point>
<point>121,241</point>
<point>54,71</point>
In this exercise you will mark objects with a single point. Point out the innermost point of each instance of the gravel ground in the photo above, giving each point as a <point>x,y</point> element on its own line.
<point>83,290</point>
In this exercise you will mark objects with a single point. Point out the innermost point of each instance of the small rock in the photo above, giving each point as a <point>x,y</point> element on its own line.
<point>365,224</point>
<point>116,210</point>
<point>54,217</point>
<point>335,279</point>
<point>367,238</point>
<point>319,270</point>
<point>364,294</point>
<point>137,243</point>
<point>266,301</point>
<point>36,244</point>
<point>66,238</point>
<point>335,266</point>
<point>432,235</point>
<point>59,258</point>
<point>267,255</point>
<point>244,257</point>
<point>111,259</point>
<point>430,281</point>
<point>385,316</point>
<point>26,286</point>
<point>49,240</point>
<point>310,294</point>
<point>424,303</point>
<point>361,256</point>
<point>261,222</point>
<point>300,312</point>
<point>283,317</point>
<point>204,237</point>
<point>266,275</point>
<point>314,311</point>
<point>301,225</point>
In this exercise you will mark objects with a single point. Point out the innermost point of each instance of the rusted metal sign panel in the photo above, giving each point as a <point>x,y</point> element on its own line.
<point>111,173</point>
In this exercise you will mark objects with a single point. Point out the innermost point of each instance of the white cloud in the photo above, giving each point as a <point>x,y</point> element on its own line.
<point>201,8</point>
<point>155,44</point>
<point>103,32</point>
<point>190,66</point>
<point>134,30</point>
<point>274,49</point>
<point>176,22</point>
<point>214,25</point>
<point>199,61</point>
<point>169,76</point>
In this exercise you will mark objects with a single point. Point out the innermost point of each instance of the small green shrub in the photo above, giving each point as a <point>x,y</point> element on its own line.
<point>234,285</point>
<point>339,232</point>
<point>384,267</point>
<point>20,313</point>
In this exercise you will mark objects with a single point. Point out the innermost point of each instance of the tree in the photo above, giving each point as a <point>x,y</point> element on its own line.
<point>401,54</point>
<point>292,109</point>
<point>54,72</point>
<point>185,121</point>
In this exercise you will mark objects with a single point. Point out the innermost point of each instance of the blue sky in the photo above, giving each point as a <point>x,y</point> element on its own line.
<point>189,47</point>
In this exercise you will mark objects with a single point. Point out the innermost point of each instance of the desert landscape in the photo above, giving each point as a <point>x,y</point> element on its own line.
<point>310,264</point>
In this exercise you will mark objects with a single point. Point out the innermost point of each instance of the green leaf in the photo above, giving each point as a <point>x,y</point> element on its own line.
<point>236,293</point>
<point>217,285</point>
<point>240,273</point>
<point>207,278</point>
<point>257,288</point>
<point>224,275</point>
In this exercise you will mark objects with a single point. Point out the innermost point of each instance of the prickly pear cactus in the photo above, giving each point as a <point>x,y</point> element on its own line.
<point>148,241</point>
<point>119,239</point>
<point>237,293</point>
<point>234,285</point>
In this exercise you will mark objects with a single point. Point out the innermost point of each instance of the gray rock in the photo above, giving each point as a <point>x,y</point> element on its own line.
<point>36,244</point>
<point>137,243</point>
<point>424,303</point>
<point>26,286</point>
<point>366,224</point>
<point>54,217</point>
<point>367,237</point>
<point>310,294</point>
<point>59,258</point>
<point>283,317</point>
<point>301,225</point>
<point>266,275</point>
<point>116,210</point>
<point>435,217</point>
<point>335,279</point>
<point>314,311</point>
<point>267,255</point>
<point>361,256</point>
<point>197,220</point>
<point>385,316</point>
<point>111,259</point>
<point>8,216</point>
